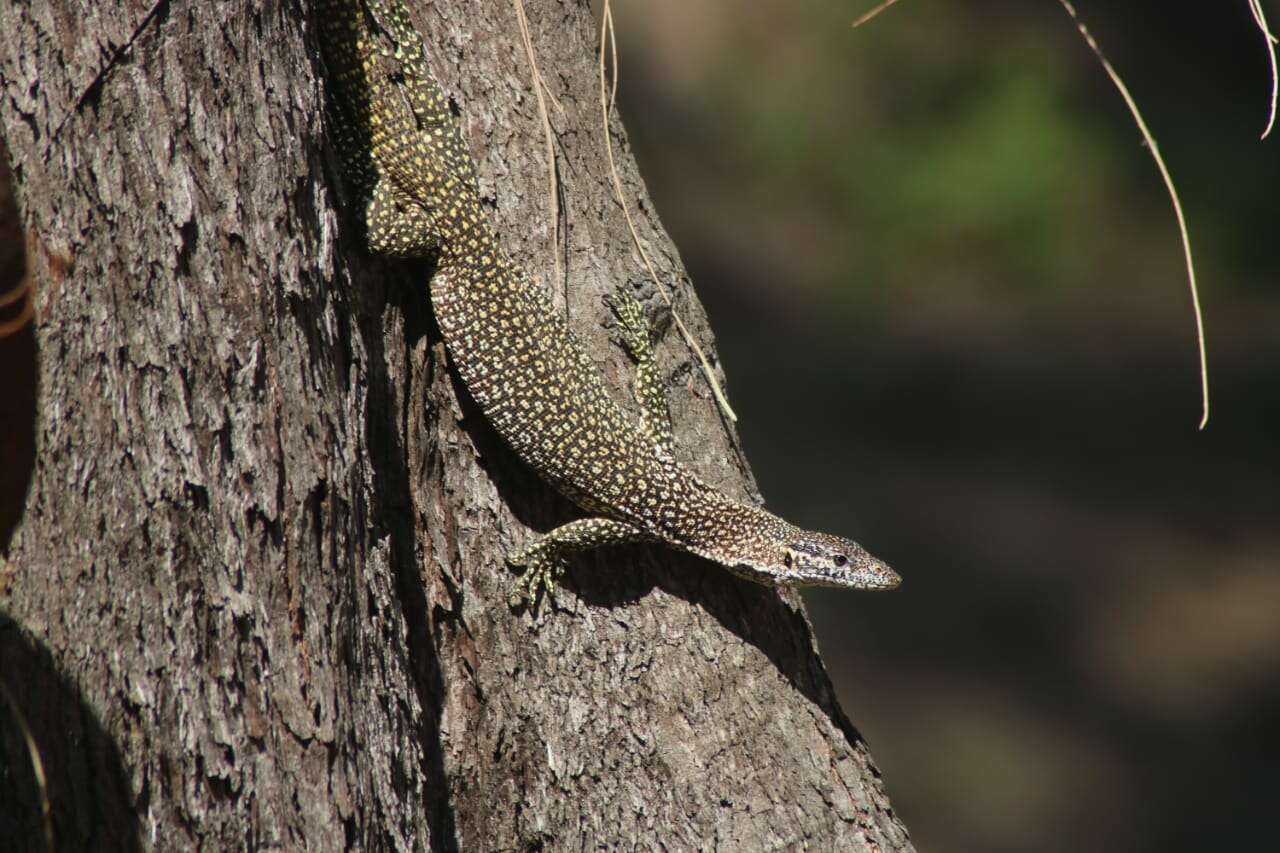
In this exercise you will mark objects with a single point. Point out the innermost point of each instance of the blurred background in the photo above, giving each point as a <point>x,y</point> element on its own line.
<point>948,291</point>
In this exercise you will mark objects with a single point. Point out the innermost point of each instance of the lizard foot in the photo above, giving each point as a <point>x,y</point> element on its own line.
<point>543,567</point>
<point>632,322</point>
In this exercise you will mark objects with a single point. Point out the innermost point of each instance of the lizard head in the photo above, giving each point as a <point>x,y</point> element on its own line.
<point>820,559</point>
<point>758,545</point>
<point>769,550</point>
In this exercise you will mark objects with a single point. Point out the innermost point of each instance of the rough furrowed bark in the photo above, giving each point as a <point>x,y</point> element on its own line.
<point>256,597</point>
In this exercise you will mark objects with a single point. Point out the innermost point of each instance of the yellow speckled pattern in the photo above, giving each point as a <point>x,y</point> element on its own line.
<point>407,164</point>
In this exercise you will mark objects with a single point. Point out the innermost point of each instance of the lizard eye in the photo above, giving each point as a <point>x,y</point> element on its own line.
<point>786,559</point>
<point>840,560</point>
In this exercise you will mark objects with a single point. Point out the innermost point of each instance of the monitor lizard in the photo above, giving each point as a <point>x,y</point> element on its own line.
<point>405,161</point>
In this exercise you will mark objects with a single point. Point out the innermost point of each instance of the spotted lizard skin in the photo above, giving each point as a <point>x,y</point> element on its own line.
<point>410,171</point>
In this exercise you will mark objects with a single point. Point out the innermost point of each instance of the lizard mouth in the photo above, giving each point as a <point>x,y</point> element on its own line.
<point>868,575</point>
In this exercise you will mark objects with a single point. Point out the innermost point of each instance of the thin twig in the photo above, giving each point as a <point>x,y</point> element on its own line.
<point>876,11</point>
<point>553,185</point>
<point>37,766</point>
<point>22,291</point>
<point>1255,6</point>
<point>613,57</point>
<point>1173,195</point>
<point>606,27</point>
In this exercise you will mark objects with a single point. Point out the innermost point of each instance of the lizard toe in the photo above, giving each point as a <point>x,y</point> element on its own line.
<point>543,569</point>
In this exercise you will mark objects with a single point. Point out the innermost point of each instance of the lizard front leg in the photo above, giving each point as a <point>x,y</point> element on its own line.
<point>544,561</point>
<point>655,417</point>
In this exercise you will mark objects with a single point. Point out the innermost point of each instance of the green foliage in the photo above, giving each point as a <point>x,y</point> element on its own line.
<point>938,151</point>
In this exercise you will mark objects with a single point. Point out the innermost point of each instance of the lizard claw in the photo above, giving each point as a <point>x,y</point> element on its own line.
<point>543,568</point>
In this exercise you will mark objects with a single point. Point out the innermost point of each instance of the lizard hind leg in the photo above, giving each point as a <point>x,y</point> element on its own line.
<point>655,417</point>
<point>544,561</point>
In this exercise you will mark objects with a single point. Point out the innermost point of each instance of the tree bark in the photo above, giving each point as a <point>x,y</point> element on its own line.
<point>256,597</point>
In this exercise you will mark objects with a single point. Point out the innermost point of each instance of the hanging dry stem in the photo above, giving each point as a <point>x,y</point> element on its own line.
<point>876,11</point>
<point>606,103</point>
<point>1173,196</point>
<point>1255,6</point>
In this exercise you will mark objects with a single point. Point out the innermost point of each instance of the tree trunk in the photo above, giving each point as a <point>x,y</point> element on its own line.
<point>257,594</point>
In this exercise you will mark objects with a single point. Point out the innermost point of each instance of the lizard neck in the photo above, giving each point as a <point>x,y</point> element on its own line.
<point>730,532</point>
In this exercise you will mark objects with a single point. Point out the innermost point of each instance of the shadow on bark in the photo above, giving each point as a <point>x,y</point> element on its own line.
<point>18,364</point>
<point>87,785</point>
<point>387,430</point>
<point>17,430</point>
<point>47,728</point>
